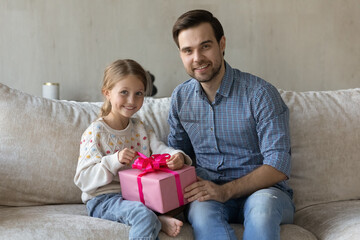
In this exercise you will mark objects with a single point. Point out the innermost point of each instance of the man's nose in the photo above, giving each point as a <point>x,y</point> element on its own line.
<point>198,56</point>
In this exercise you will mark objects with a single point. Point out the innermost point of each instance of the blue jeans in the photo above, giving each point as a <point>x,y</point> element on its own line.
<point>261,213</point>
<point>144,222</point>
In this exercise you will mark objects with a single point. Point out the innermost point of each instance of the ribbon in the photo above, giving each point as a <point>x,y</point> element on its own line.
<point>156,162</point>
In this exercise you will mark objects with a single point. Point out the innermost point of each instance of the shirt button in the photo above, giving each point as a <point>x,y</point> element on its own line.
<point>211,129</point>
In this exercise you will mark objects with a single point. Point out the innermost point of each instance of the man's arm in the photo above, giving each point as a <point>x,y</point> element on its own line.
<point>263,177</point>
<point>272,120</point>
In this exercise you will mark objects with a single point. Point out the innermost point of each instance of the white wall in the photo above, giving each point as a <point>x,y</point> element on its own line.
<point>295,44</point>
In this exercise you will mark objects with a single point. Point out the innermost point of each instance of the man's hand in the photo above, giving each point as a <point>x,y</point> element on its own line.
<point>176,161</point>
<point>203,190</point>
<point>262,177</point>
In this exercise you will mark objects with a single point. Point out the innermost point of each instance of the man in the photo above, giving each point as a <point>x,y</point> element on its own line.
<point>237,127</point>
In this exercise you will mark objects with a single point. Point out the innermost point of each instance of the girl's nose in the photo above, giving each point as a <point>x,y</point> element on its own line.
<point>131,99</point>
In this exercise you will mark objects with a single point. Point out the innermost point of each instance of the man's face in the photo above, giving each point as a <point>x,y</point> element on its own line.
<point>201,54</point>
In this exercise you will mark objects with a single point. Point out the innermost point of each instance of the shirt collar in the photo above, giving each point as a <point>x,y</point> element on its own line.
<point>225,85</point>
<point>227,81</point>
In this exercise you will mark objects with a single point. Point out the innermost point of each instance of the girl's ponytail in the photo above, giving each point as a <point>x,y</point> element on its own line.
<point>105,108</point>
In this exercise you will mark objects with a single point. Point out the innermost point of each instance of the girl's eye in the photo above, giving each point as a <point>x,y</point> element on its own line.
<point>139,93</point>
<point>124,92</point>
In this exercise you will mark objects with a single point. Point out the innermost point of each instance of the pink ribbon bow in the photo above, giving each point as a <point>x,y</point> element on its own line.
<point>151,164</point>
<point>156,162</point>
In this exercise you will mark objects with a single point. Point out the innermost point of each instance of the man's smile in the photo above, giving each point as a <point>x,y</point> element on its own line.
<point>202,67</point>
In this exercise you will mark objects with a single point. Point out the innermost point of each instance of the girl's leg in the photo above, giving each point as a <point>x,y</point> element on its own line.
<point>144,222</point>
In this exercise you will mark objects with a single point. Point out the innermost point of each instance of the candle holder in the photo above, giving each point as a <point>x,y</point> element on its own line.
<point>51,90</point>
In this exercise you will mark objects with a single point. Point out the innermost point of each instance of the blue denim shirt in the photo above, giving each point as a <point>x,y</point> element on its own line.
<point>245,127</point>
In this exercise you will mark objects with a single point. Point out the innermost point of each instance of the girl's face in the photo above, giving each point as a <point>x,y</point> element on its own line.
<point>126,97</point>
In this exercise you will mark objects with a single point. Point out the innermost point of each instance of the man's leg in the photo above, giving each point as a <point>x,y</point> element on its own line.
<point>209,220</point>
<point>264,211</point>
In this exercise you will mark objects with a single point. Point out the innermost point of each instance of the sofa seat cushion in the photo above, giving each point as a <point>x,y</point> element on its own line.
<point>57,222</point>
<point>70,221</point>
<point>332,221</point>
<point>287,231</point>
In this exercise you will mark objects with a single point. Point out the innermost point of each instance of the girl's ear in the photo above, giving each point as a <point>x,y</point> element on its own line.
<point>106,93</point>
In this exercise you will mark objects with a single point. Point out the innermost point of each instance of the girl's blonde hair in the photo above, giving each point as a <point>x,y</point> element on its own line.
<point>115,72</point>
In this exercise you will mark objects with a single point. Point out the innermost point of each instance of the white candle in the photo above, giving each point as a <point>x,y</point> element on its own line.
<point>50,90</point>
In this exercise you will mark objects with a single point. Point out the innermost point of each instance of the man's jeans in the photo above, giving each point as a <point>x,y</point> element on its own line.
<point>144,222</point>
<point>261,213</point>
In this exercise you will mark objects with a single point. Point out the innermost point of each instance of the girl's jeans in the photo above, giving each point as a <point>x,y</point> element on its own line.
<point>261,213</point>
<point>144,222</point>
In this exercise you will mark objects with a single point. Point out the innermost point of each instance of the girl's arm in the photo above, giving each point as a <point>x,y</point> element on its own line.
<point>95,169</point>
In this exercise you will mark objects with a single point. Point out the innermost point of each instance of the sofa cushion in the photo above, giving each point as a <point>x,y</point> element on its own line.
<point>59,222</point>
<point>332,221</point>
<point>325,137</point>
<point>39,148</point>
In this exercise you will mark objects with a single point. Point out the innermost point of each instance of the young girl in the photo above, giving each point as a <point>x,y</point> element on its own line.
<point>110,144</point>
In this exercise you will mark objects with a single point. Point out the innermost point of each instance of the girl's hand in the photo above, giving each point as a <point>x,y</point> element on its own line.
<point>126,156</point>
<point>176,161</point>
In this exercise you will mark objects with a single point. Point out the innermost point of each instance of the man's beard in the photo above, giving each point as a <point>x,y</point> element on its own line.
<point>203,80</point>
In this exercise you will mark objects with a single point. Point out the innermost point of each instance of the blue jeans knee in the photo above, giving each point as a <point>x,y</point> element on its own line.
<point>264,211</point>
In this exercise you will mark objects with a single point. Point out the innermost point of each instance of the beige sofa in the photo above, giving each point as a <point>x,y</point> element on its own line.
<point>39,145</point>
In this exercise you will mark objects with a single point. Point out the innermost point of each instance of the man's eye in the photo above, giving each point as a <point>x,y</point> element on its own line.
<point>187,51</point>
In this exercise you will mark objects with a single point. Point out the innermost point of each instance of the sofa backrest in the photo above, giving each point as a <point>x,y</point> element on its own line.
<point>325,142</point>
<point>39,145</point>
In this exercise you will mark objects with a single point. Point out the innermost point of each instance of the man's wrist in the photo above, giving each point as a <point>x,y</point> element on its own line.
<point>227,191</point>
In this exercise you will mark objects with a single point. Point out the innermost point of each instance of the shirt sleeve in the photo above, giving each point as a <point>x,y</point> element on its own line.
<point>272,125</point>
<point>178,138</point>
<point>94,169</point>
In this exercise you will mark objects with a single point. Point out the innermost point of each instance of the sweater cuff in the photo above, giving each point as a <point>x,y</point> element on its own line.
<point>112,163</point>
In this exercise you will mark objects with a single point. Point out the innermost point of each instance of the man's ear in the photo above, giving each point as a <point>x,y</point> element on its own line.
<point>222,44</point>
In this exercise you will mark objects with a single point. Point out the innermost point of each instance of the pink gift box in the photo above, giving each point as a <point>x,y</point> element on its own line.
<point>159,188</point>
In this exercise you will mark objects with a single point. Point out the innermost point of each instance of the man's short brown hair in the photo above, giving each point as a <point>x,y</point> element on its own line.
<point>194,18</point>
